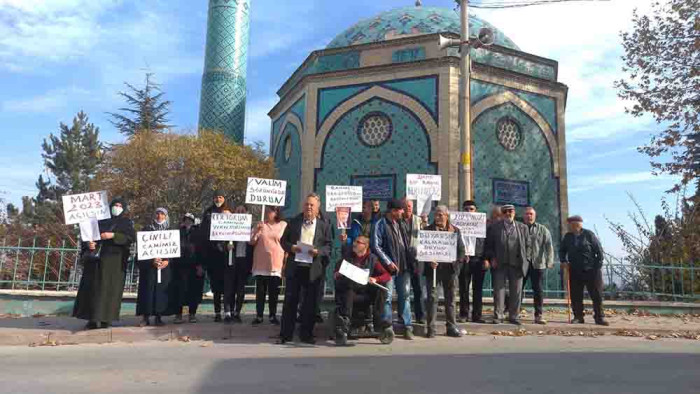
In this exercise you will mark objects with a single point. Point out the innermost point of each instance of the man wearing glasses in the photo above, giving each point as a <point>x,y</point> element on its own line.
<point>505,252</point>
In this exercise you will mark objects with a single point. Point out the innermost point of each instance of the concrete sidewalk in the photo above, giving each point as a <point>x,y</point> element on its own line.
<point>51,330</point>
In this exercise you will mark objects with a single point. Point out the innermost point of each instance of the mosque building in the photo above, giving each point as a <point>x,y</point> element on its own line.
<point>382,101</point>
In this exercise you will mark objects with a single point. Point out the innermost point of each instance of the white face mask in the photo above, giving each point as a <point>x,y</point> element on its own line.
<point>116,211</point>
<point>218,204</point>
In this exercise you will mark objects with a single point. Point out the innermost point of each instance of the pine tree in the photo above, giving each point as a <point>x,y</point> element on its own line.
<point>72,158</point>
<point>146,110</point>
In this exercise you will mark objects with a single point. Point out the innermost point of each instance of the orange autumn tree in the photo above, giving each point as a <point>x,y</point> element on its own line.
<point>179,172</point>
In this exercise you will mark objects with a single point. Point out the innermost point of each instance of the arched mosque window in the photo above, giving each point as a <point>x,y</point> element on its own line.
<point>287,148</point>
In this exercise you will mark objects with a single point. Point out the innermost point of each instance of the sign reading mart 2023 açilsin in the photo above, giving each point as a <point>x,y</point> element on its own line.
<point>507,191</point>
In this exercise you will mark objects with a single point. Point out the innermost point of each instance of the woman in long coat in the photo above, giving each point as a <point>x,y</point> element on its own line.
<point>152,299</point>
<point>188,274</point>
<point>101,288</point>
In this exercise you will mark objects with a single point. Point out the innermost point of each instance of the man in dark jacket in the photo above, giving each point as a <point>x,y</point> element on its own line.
<point>505,252</point>
<point>472,273</point>
<point>310,229</point>
<point>580,252</point>
<point>390,242</point>
<point>347,292</point>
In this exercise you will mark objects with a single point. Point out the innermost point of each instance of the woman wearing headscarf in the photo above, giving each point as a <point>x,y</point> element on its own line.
<point>268,261</point>
<point>236,277</point>
<point>188,274</point>
<point>152,299</point>
<point>101,288</point>
<point>215,253</point>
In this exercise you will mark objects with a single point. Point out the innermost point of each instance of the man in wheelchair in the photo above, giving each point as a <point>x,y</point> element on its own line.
<point>359,307</point>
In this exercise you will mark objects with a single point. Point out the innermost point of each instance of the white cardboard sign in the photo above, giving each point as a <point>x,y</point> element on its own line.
<point>266,192</point>
<point>421,187</point>
<point>439,246</point>
<point>81,207</point>
<point>158,244</point>
<point>90,230</point>
<point>343,196</point>
<point>470,224</point>
<point>230,227</point>
<point>354,273</point>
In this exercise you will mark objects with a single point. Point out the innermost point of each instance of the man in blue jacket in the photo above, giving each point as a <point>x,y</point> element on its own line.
<point>390,242</point>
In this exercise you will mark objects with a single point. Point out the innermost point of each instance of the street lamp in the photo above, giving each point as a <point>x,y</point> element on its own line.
<point>485,38</point>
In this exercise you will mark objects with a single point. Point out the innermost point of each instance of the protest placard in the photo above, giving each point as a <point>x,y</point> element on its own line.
<point>304,255</point>
<point>230,227</point>
<point>81,207</point>
<point>439,246</point>
<point>89,230</point>
<point>342,216</point>
<point>266,192</point>
<point>158,244</point>
<point>354,273</point>
<point>470,224</point>
<point>422,186</point>
<point>343,196</point>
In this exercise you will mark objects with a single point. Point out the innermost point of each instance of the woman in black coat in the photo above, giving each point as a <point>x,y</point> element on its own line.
<point>188,274</point>
<point>215,253</point>
<point>101,288</point>
<point>152,299</point>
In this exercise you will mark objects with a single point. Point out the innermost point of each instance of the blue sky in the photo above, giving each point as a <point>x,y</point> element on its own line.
<point>61,56</point>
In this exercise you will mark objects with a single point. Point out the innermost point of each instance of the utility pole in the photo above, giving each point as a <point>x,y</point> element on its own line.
<point>465,168</point>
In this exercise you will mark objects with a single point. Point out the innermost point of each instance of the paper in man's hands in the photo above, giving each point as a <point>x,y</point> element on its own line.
<point>304,254</point>
<point>89,230</point>
<point>354,273</point>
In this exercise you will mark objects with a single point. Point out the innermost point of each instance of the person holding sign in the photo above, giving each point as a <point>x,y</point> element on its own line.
<point>236,276</point>
<point>307,238</point>
<point>360,226</point>
<point>215,253</point>
<point>268,260</point>
<point>349,292</point>
<point>391,243</point>
<point>474,273</point>
<point>152,299</point>
<point>104,262</point>
<point>505,252</point>
<point>447,273</point>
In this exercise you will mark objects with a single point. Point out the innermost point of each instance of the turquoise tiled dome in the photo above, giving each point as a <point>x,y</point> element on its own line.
<point>409,21</point>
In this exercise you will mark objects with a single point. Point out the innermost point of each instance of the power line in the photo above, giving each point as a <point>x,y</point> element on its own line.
<point>496,4</point>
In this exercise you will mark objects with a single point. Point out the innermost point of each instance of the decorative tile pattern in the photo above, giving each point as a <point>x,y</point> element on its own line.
<point>546,106</point>
<point>288,163</point>
<point>423,89</point>
<point>298,109</point>
<point>408,55</point>
<point>410,21</point>
<point>223,99</point>
<point>529,163</point>
<point>407,151</point>
<point>514,63</point>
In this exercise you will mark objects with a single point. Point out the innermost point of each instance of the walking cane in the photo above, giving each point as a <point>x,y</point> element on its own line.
<point>568,292</point>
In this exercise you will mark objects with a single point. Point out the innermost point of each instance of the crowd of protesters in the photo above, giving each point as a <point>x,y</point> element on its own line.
<point>383,244</point>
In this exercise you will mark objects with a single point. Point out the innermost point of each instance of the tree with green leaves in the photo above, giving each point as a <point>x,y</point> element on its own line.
<point>147,109</point>
<point>72,159</point>
<point>662,63</point>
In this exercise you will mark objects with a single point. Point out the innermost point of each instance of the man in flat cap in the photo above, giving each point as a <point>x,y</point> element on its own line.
<point>581,253</point>
<point>505,253</point>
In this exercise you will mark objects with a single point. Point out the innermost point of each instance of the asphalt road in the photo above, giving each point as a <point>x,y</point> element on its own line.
<point>468,365</point>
